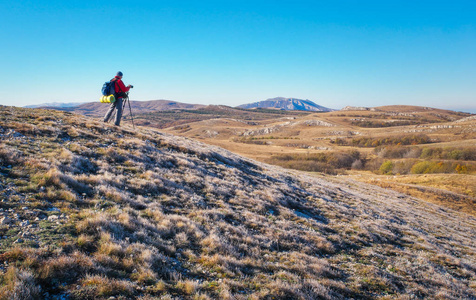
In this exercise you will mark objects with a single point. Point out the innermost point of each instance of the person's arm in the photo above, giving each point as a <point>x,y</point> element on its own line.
<point>122,87</point>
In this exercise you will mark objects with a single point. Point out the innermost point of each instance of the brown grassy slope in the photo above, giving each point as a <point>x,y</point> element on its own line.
<point>163,113</point>
<point>456,191</point>
<point>313,134</point>
<point>91,211</point>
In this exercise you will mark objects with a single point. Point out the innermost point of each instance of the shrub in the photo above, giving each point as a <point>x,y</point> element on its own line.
<point>461,169</point>
<point>376,142</point>
<point>318,162</point>
<point>424,167</point>
<point>403,166</point>
<point>188,287</point>
<point>9,156</point>
<point>86,242</point>
<point>379,124</point>
<point>16,284</point>
<point>50,178</point>
<point>386,167</point>
<point>103,286</point>
<point>397,151</point>
<point>65,269</point>
<point>460,153</point>
<point>357,165</point>
<point>421,167</point>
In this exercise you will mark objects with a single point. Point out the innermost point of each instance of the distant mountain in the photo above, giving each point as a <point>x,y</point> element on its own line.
<point>55,104</point>
<point>99,109</point>
<point>287,104</point>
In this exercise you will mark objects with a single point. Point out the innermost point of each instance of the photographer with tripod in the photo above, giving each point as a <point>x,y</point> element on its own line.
<point>120,94</point>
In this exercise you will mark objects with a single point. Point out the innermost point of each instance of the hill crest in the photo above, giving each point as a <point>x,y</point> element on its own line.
<point>138,107</point>
<point>55,104</point>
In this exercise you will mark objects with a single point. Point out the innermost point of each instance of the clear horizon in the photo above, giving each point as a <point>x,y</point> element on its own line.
<point>456,109</point>
<point>334,54</point>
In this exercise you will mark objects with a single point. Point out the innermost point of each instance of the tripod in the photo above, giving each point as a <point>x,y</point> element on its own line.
<point>124,101</point>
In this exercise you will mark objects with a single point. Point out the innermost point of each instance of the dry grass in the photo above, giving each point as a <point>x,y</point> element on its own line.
<point>17,284</point>
<point>451,148</point>
<point>455,191</point>
<point>112,212</point>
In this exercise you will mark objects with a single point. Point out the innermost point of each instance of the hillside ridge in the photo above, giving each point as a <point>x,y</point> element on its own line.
<point>98,109</point>
<point>90,211</point>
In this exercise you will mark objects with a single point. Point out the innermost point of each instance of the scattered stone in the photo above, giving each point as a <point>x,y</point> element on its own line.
<point>5,220</point>
<point>25,223</point>
<point>54,209</point>
<point>53,218</point>
<point>19,241</point>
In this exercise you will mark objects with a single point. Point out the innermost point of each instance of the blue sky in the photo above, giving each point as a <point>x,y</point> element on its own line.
<point>335,53</point>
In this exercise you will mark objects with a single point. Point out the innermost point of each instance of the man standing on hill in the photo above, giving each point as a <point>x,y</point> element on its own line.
<point>121,90</point>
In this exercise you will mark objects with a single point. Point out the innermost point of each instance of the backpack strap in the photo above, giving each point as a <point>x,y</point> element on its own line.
<point>115,83</point>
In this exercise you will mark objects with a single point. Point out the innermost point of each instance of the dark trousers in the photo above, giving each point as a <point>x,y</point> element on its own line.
<point>118,106</point>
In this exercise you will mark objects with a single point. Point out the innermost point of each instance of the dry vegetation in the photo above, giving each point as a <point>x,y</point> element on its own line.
<point>89,211</point>
<point>162,113</point>
<point>440,142</point>
<point>456,191</point>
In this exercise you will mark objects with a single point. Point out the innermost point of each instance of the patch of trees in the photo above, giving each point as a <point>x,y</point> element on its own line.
<point>376,142</point>
<point>425,167</point>
<point>320,162</point>
<point>379,124</point>
<point>447,153</point>
<point>406,160</point>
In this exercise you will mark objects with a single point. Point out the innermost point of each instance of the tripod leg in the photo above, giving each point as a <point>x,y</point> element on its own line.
<point>124,103</point>
<point>130,110</point>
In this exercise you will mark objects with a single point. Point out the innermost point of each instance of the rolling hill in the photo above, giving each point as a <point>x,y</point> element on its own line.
<point>97,109</point>
<point>318,130</point>
<point>55,104</point>
<point>90,211</point>
<point>358,142</point>
<point>163,114</point>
